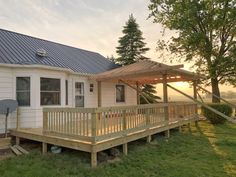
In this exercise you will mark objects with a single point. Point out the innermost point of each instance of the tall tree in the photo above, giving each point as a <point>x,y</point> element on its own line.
<point>206,32</point>
<point>130,50</point>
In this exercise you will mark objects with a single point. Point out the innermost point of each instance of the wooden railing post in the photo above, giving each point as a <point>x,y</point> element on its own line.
<point>165,100</point>
<point>17,118</point>
<point>124,122</point>
<point>147,116</point>
<point>94,134</point>
<point>94,126</point>
<point>45,121</point>
<point>195,97</point>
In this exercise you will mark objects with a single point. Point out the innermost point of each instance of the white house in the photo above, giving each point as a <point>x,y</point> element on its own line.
<point>39,73</point>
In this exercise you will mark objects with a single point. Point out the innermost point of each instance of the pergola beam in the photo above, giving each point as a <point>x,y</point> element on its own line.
<point>135,74</point>
<point>152,81</point>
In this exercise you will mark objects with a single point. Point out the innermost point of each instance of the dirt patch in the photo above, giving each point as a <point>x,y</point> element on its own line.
<point>6,153</point>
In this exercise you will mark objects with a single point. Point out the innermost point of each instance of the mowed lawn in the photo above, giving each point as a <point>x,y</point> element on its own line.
<point>205,150</point>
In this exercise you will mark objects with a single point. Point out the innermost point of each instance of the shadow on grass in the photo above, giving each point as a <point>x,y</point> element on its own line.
<point>191,153</point>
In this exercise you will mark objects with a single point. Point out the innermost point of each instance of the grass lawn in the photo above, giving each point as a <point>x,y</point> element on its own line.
<point>205,150</point>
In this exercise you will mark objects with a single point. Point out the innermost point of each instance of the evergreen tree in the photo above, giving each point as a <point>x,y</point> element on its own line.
<point>130,50</point>
<point>131,44</point>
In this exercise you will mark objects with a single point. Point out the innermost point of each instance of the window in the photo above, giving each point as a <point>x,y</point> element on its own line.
<point>91,87</point>
<point>50,91</point>
<point>23,91</point>
<point>79,94</point>
<point>66,84</point>
<point>120,93</point>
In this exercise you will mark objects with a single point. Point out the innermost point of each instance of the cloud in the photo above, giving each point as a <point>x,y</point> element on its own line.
<point>89,24</point>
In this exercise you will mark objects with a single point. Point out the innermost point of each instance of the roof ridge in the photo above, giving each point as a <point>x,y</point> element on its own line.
<point>48,41</point>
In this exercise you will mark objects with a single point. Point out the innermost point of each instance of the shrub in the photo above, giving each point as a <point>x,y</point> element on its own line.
<point>213,117</point>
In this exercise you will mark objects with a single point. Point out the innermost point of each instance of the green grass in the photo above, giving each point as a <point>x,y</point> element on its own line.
<point>205,150</point>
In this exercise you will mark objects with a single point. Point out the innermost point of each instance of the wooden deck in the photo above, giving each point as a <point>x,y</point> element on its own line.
<point>93,130</point>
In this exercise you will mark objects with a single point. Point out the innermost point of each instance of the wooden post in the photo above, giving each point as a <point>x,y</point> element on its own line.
<point>93,159</point>
<point>44,147</point>
<point>94,126</point>
<point>125,148</point>
<point>99,85</point>
<point>165,100</point>
<point>94,134</point>
<point>180,128</point>
<point>195,97</point>
<point>17,140</point>
<point>147,116</point>
<point>45,121</point>
<point>17,118</point>
<point>125,145</point>
<point>137,90</point>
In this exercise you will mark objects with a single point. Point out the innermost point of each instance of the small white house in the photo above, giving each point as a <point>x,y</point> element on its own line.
<point>39,73</point>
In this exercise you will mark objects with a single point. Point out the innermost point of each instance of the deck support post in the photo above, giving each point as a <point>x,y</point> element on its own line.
<point>93,159</point>
<point>125,148</point>
<point>180,128</point>
<point>17,140</point>
<point>165,100</point>
<point>195,97</point>
<point>44,147</point>
<point>149,138</point>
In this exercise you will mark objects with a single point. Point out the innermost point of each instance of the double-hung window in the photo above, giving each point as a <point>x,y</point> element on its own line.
<point>23,91</point>
<point>50,91</point>
<point>120,93</point>
<point>79,94</point>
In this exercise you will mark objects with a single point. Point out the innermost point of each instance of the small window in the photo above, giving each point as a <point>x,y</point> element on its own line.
<point>50,91</point>
<point>79,94</point>
<point>120,93</point>
<point>91,86</point>
<point>66,85</point>
<point>23,91</point>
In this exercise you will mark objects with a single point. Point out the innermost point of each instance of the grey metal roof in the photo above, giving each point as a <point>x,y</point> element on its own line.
<point>21,49</point>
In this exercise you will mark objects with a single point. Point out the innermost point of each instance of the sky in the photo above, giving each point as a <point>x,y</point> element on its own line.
<point>94,25</point>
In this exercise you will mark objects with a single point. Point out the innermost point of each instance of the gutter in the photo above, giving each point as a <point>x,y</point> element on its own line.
<point>36,66</point>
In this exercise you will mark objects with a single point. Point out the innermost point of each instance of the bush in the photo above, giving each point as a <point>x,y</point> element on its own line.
<point>213,117</point>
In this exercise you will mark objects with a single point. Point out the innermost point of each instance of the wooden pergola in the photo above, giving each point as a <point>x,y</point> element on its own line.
<point>147,72</point>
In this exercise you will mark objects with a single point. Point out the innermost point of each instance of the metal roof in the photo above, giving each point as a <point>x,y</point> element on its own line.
<point>21,49</point>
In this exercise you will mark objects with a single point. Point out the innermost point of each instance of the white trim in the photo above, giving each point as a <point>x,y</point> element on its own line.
<point>36,66</point>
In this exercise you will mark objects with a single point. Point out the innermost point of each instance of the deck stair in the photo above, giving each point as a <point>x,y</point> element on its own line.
<point>18,150</point>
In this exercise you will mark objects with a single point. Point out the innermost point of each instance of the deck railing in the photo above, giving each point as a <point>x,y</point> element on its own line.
<point>96,124</point>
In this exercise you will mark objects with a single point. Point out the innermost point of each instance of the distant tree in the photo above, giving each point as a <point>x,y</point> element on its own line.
<point>130,50</point>
<point>205,35</point>
<point>111,58</point>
